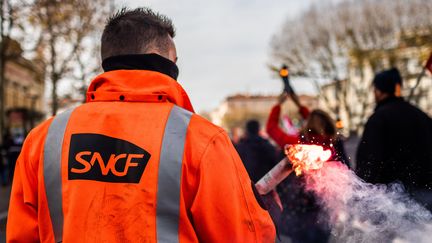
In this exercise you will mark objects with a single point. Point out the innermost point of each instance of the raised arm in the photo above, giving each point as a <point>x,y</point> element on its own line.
<point>273,129</point>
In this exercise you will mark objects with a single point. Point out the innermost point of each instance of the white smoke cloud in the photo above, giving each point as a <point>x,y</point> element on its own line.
<point>362,212</point>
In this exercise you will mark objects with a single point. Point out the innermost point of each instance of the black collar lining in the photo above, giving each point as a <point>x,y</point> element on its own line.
<point>151,62</point>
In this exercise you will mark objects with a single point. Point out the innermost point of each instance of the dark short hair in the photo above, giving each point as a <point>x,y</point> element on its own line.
<point>135,32</point>
<point>387,80</point>
<point>252,127</point>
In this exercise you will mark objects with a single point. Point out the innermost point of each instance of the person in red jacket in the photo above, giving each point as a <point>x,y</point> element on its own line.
<point>319,129</point>
<point>301,215</point>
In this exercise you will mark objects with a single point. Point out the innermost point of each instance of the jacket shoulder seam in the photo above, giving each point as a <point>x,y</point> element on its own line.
<point>208,144</point>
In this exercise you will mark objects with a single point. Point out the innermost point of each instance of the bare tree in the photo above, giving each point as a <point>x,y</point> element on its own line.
<point>63,30</point>
<point>86,70</point>
<point>87,59</point>
<point>331,40</point>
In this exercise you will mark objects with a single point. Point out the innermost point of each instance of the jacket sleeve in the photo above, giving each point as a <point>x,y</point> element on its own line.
<point>370,152</point>
<point>224,208</point>
<point>275,132</point>
<point>22,224</point>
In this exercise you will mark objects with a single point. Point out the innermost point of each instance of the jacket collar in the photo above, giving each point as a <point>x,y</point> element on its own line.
<point>388,100</point>
<point>137,86</point>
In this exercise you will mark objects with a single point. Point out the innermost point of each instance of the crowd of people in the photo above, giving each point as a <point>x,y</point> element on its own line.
<point>396,147</point>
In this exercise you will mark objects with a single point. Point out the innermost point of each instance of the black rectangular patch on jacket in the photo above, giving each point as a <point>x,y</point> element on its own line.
<point>101,158</point>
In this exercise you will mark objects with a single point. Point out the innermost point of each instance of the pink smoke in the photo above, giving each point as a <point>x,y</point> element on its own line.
<point>362,212</point>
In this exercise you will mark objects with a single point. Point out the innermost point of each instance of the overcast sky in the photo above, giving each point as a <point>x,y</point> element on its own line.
<point>223,46</point>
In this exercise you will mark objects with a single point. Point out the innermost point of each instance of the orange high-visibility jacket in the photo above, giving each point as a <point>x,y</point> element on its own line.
<point>134,164</point>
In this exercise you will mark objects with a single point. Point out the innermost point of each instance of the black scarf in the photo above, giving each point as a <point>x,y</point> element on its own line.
<point>152,62</point>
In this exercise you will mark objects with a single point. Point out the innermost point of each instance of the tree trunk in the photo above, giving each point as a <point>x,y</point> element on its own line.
<point>54,80</point>
<point>2,72</point>
<point>53,63</point>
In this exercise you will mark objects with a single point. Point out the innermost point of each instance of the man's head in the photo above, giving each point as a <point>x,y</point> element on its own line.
<point>138,31</point>
<point>387,84</point>
<point>252,127</point>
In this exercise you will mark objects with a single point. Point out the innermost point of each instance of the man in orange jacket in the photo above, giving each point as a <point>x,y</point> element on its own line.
<point>134,164</point>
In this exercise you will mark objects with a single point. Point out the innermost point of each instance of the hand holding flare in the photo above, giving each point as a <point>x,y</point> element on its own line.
<point>300,157</point>
<point>305,157</point>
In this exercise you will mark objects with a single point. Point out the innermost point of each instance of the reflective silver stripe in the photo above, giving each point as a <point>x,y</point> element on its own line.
<point>169,175</point>
<point>52,171</point>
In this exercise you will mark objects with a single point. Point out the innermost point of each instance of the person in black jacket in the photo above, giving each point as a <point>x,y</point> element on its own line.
<point>397,141</point>
<point>12,145</point>
<point>256,152</point>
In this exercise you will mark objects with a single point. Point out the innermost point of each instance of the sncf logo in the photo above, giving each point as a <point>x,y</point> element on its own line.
<point>102,158</point>
<point>110,166</point>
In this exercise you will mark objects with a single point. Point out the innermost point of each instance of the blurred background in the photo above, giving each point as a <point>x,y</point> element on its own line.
<point>230,53</point>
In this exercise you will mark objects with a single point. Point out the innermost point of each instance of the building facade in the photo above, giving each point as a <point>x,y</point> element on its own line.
<point>236,110</point>
<point>24,89</point>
